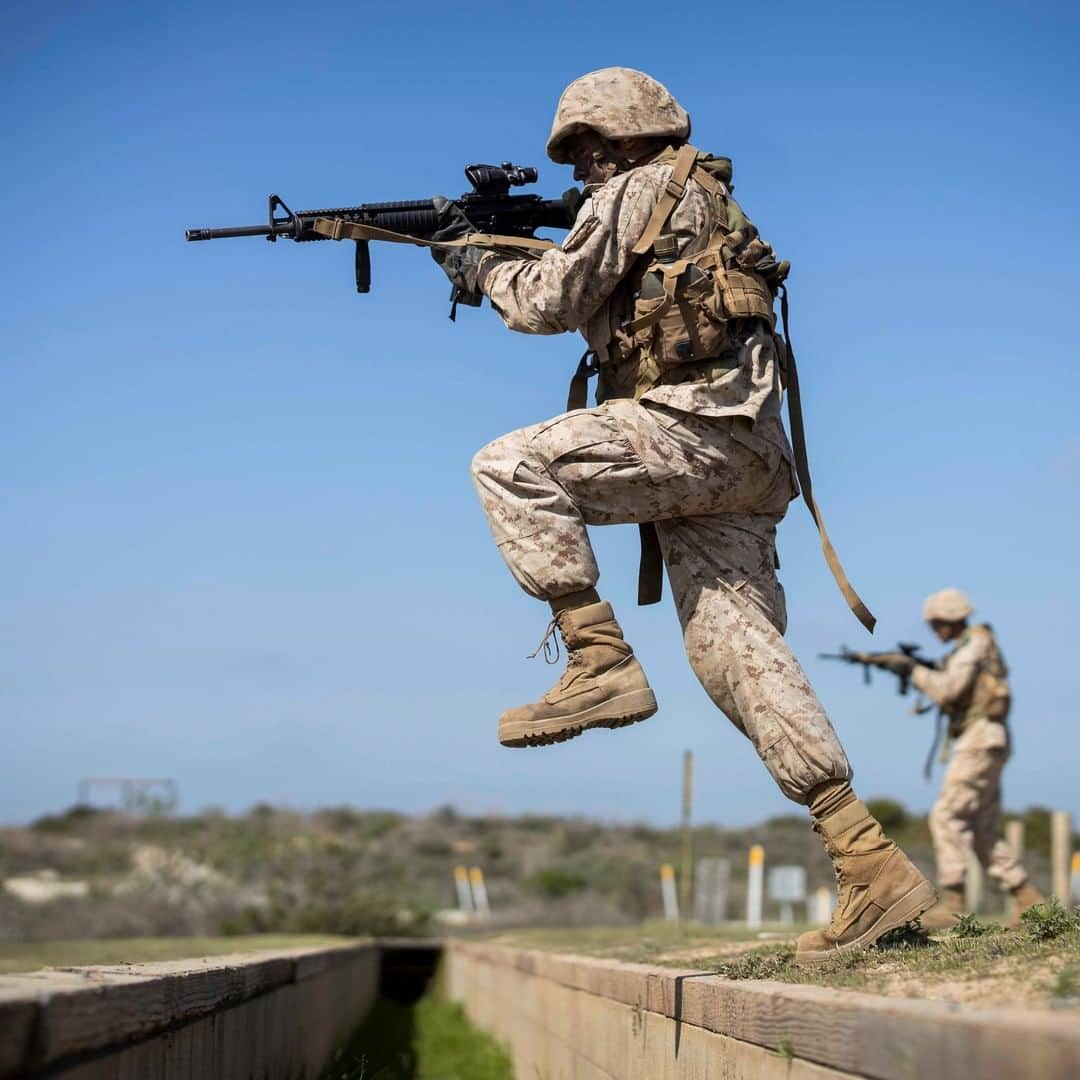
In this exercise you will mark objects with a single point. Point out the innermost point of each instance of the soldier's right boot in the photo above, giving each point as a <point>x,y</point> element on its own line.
<point>1024,896</point>
<point>943,914</point>
<point>880,889</point>
<point>603,685</point>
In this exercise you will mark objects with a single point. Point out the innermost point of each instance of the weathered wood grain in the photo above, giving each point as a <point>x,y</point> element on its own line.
<point>55,1015</point>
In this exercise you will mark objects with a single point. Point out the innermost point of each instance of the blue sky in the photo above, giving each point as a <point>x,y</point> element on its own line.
<point>238,543</point>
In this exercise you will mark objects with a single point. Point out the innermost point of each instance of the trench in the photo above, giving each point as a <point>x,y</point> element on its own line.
<point>413,1032</point>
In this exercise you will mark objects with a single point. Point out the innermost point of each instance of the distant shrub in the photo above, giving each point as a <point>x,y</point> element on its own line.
<point>785,821</point>
<point>554,882</point>
<point>890,813</point>
<point>69,819</point>
<point>579,837</point>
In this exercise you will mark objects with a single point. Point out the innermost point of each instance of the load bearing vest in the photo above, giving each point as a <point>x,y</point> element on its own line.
<point>684,309</point>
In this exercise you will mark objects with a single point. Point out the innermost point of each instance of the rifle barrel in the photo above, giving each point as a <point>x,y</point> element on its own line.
<point>224,234</point>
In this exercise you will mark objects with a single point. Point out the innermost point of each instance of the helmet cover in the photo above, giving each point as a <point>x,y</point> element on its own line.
<point>617,103</point>
<point>948,605</point>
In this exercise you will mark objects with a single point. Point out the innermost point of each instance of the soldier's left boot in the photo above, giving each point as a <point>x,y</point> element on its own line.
<point>1024,896</point>
<point>880,889</point>
<point>603,685</point>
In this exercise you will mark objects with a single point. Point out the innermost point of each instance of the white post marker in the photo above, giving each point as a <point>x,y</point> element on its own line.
<point>711,876</point>
<point>1074,879</point>
<point>822,905</point>
<point>479,892</point>
<point>973,884</point>
<point>787,887</point>
<point>1061,853</point>
<point>464,894</point>
<point>755,882</point>
<point>667,891</point>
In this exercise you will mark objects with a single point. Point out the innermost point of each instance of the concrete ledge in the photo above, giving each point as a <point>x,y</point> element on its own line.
<point>579,1016</point>
<point>255,1014</point>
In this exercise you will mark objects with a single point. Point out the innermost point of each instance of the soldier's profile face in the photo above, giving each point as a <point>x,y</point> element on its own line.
<point>946,631</point>
<point>585,150</point>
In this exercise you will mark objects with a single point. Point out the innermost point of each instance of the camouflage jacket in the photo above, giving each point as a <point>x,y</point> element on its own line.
<point>585,285</point>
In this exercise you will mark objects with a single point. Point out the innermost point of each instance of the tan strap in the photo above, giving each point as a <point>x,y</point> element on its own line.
<point>340,229</point>
<point>676,188</point>
<point>802,471</point>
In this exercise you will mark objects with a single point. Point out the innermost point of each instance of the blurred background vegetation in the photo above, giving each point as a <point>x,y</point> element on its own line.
<point>93,873</point>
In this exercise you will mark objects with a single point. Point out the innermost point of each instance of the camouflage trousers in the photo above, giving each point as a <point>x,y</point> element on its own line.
<point>716,489</point>
<point>965,816</point>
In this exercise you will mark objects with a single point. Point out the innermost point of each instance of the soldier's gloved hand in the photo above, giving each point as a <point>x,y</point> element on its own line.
<point>459,264</point>
<point>898,663</point>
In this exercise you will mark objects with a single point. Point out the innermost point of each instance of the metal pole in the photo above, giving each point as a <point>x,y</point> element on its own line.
<point>687,874</point>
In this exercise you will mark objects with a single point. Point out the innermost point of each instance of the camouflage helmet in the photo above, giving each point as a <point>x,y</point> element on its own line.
<point>617,103</point>
<point>948,605</point>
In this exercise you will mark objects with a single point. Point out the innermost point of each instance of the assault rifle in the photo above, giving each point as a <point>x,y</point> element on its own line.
<point>849,656</point>
<point>489,207</point>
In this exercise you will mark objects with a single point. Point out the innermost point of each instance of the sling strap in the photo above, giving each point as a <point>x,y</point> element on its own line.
<point>802,471</point>
<point>673,192</point>
<point>339,229</point>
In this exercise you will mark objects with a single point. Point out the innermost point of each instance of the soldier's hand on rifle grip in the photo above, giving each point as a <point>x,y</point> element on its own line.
<point>460,264</point>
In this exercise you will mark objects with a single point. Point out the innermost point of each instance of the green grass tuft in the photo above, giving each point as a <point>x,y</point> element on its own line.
<point>1049,920</point>
<point>971,926</point>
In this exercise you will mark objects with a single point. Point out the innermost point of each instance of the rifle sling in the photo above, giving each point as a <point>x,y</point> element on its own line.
<point>928,765</point>
<point>339,229</point>
<point>802,471</point>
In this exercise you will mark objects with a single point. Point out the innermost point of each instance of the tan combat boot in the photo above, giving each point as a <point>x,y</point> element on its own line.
<point>943,914</point>
<point>880,888</point>
<point>1024,896</point>
<point>603,685</point>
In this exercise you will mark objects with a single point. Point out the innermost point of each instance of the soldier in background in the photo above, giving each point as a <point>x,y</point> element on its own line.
<point>971,687</point>
<point>686,439</point>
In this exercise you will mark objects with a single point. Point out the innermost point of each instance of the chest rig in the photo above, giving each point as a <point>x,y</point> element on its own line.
<point>684,319</point>
<point>989,697</point>
<point>684,312</point>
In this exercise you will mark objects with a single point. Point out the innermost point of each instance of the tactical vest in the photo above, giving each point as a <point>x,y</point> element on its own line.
<point>989,696</point>
<point>684,317</point>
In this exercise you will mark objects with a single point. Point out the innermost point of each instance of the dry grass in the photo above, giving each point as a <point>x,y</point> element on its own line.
<point>975,962</point>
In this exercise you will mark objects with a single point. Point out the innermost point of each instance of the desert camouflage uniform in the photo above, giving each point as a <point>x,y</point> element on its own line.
<point>965,816</point>
<point>707,460</point>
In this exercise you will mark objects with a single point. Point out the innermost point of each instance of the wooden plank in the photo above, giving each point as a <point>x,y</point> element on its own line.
<point>50,1015</point>
<point>855,1032</point>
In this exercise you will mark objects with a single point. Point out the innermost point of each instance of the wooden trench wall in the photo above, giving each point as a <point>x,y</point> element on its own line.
<point>577,1018</point>
<point>265,1015</point>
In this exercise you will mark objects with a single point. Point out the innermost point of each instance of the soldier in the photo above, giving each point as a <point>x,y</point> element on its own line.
<point>971,687</point>
<point>672,290</point>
